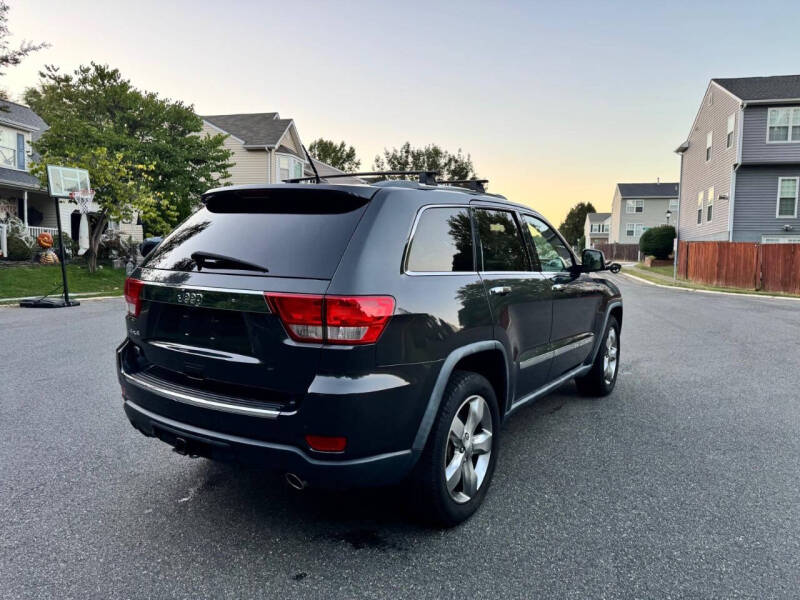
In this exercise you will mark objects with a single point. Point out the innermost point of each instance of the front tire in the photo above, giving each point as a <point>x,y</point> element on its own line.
<point>602,377</point>
<point>455,469</point>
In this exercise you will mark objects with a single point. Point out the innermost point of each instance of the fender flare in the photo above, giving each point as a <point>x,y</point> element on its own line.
<point>611,306</point>
<point>435,400</point>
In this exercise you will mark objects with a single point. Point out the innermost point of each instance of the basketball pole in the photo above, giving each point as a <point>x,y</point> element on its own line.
<point>61,253</point>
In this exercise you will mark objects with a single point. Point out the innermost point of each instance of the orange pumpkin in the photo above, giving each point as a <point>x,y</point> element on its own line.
<point>45,240</point>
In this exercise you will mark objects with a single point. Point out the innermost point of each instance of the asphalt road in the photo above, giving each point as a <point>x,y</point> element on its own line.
<point>685,483</point>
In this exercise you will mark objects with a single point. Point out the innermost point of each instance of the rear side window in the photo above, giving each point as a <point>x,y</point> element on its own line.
<point>299,234</point>
<point>501,241</point>
<point>442,242</point>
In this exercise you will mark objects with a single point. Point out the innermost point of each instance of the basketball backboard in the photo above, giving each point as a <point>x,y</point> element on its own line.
<point>61,181</point>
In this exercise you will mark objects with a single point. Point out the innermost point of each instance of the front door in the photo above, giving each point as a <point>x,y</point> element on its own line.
<point>519,296</point>
<point>576,298</point>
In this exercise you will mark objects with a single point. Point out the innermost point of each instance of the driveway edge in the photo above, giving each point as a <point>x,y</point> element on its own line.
<point>686,289</point>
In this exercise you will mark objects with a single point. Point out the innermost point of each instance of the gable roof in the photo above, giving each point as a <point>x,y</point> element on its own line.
<point>19,115</point>
<point>753,89</point>
<point>648,190</point>
<point>597,217</point>
<point>254,129</point>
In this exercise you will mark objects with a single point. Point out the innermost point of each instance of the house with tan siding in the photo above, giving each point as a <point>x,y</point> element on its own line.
<point>740,164</point>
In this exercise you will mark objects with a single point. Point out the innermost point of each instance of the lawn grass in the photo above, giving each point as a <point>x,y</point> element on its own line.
<point>665,270</point>
<point>38,280</point>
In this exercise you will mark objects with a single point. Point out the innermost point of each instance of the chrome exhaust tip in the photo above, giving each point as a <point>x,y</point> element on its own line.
<point>295,482</point>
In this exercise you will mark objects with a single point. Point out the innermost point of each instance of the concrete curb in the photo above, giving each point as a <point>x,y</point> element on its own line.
<point>686,289</point>
<point>14,302</point>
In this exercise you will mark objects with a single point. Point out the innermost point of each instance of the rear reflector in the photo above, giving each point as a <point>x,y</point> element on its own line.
<point>324,443</point>
<point>133,295</point>
<point>332,319</point>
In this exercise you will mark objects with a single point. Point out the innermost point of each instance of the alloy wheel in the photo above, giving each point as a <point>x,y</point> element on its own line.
<point>610,355</point>
<point>469,449</point>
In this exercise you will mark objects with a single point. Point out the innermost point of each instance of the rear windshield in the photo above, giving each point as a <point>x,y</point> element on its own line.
<point>297,235</point>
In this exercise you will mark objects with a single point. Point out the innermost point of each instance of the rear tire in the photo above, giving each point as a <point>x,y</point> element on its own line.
<point>456,467</point>
<point>602,378</point>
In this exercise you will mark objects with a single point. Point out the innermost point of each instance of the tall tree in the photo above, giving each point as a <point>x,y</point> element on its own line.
<point>427,158</point>
<point>340,156</point>
<point>10,57</point>
<point>95,108</point>
<point>572,227</point>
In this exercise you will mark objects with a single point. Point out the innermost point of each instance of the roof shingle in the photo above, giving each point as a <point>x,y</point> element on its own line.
<point>254,129</point>
<point>648,190</point>
<point>751,89</point>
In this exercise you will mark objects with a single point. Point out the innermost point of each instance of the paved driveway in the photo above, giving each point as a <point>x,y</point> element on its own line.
<point>684,483</point>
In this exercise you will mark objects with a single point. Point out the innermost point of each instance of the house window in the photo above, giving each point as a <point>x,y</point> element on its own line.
<point>12,149</point>
<point>605,227</point>
<point>289,167</point>
<point>635,229</point>
<point>709,142</point>
<point>780,239</point>
<point>731,123</point>
<point>787,198</point>
<point>673,205</point>
<point>783,124</point>
<point>710,203</point>
<point>634,206</point>
<point>700,208</point>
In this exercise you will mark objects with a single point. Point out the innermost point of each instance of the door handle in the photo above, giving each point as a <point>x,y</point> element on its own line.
<point>500,290</point>
<point>558,287</point>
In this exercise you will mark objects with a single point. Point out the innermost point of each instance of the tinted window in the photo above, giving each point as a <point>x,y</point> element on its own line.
<point>501,242</point>
<point>288,233</point>
<point>442,241</point>
<point>553,255</point>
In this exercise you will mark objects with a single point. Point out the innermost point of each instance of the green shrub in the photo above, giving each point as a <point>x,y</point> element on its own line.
<point>18,248</point>
<point>70,245</point>
<point>657,241</point>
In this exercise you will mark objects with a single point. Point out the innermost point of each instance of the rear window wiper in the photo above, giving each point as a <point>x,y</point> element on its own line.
<point>219,261</point>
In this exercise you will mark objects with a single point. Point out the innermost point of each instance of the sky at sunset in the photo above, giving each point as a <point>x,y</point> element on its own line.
<point>555,101</point>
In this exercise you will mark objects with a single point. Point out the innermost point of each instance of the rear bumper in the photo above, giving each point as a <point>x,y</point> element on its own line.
<point>381,469</point>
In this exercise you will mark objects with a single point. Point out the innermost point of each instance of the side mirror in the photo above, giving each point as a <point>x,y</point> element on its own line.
<point>615,267</point>
<point>593,260</point>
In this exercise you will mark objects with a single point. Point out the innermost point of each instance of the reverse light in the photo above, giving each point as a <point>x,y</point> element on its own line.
<point>325,443</point>
<point>330,319</point>
<point>133,295</point>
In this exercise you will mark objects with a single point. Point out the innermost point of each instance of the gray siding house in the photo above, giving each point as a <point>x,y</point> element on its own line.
<point>596,229</point>
<point>637,207</point>
<point>740,166</point>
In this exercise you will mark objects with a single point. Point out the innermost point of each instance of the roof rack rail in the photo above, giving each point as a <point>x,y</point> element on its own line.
<point>476,185</point>
<point>425,177</point>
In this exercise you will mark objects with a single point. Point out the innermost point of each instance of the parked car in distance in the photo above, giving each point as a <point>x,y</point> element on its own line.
<point>351,335</point>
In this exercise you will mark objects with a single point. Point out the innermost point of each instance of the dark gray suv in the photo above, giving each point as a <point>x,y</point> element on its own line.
<point>351,335</point>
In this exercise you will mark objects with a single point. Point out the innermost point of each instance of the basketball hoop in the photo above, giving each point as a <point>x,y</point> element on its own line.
<point>83,198</point>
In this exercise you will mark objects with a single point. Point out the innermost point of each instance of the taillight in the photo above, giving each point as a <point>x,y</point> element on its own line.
<point>301,315</point>
<point>332,319</point>
<point>133,295</point>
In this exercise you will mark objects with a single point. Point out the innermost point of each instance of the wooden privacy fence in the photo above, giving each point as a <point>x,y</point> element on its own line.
<point>749,265</point>
<point>619,251</point>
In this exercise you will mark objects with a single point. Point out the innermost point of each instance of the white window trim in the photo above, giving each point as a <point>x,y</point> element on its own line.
<point>636,203</point>
<point>709,145</point>
<point>25,138</point>
<point>791,112</point>
<point>292,159</point>
<point>730,131</point>
<point>778,201</point>
<point>710,202</point>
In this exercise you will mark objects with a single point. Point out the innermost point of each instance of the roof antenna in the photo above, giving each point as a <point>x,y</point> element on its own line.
<point>311,162</point>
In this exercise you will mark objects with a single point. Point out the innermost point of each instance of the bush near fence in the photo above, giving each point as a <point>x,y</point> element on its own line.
<point>628,252</point>
<point>748,265</point>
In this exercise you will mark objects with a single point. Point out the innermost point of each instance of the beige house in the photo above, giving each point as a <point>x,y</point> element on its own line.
<point>639,206</point>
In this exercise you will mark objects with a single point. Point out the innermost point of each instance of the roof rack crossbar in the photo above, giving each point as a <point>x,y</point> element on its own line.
<point>425,177</point>
<point>476,185</point>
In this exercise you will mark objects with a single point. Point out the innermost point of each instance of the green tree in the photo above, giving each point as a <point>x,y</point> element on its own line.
<point>95,108</point>
<point>121,189</point>
<point>572,227</point>
<point>340,156</point>
<point>427,158</point>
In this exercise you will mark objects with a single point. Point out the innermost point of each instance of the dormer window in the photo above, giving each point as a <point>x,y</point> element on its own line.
<point>783,125</point>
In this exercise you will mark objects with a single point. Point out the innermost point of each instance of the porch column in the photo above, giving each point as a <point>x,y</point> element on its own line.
<point>25,206</point>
